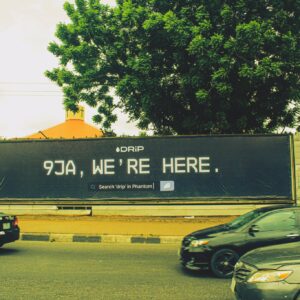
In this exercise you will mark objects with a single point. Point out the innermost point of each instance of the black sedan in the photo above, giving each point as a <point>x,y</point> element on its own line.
<point>268,273</point>
<point>9,229</point>
<point>219,248</point>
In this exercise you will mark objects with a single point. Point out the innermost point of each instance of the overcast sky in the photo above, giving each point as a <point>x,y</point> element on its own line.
<point>30,102</point>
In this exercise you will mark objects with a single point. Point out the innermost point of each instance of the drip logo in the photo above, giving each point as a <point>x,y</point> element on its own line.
<point>127,149</point>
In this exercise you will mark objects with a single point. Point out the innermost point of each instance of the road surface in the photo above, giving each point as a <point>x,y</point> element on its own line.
<point>44,270</point>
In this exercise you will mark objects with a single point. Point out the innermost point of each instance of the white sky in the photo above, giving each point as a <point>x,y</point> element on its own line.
<point>30,102</point>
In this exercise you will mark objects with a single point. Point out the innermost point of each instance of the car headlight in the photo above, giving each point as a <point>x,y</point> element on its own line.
<point>269,276</point>
<point>197,243</point>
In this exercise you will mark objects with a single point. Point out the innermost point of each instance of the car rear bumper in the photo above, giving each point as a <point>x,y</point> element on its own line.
<point>266,291</point>
<point>9,236</point>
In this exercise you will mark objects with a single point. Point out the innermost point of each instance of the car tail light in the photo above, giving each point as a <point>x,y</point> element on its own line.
<point>15,222</point>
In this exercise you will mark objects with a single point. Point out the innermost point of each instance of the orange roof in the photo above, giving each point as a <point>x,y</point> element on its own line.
<point>73,128</point>
<point>68,130</point>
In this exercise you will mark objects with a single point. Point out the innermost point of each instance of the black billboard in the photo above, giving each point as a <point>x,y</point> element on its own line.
<point>147,168</point>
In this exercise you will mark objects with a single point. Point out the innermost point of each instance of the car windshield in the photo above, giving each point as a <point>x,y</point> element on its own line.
<point>244,219</point>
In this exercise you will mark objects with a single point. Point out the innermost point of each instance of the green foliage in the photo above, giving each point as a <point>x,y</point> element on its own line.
<point>183,66</point>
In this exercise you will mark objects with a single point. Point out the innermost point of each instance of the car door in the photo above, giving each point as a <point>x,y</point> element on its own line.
<point>278,227</point>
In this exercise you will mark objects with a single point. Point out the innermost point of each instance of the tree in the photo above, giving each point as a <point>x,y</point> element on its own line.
<point>183,66</point>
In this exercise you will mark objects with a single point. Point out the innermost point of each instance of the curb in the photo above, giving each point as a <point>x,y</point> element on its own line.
<point>102,239</point>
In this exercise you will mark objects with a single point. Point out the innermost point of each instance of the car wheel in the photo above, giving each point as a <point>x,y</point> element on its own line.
<point>222,263</point>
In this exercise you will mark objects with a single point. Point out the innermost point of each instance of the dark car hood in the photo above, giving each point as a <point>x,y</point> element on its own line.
<point>209,232</point>
<point>273,257</point>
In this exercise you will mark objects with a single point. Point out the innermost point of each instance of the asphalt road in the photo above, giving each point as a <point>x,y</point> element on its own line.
<point>42,270</point>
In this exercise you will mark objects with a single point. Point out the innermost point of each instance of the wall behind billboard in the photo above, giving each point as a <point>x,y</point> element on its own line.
<point>147,168</point>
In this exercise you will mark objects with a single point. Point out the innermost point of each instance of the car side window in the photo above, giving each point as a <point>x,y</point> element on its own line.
<point>277,221</point>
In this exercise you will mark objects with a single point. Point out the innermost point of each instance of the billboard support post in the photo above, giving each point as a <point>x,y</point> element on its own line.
<point>297,166</point>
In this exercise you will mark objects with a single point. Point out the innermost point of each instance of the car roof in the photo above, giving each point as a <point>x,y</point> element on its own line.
<point>277,206</point>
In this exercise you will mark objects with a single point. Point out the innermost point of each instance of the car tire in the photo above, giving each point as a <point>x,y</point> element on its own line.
<point>222,263</point>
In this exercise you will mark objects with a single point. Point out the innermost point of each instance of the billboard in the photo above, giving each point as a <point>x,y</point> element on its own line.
<point>147,168</point>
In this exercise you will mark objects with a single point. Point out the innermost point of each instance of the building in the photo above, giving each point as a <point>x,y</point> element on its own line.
<point>74,127</point>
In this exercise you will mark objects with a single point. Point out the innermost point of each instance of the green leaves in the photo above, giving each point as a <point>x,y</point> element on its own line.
<point>201,96</point>
<point>183,66</point>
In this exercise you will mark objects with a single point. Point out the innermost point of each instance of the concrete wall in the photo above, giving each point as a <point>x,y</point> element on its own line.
<point>134,210</point>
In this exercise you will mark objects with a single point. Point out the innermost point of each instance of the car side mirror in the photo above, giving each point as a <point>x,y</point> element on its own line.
<point>253,228</point>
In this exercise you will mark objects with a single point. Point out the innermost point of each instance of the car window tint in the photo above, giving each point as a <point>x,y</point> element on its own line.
<point>277,221</point>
